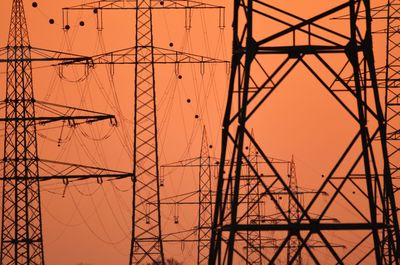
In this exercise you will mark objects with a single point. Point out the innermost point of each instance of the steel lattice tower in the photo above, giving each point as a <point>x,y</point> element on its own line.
<point>253,209</point>
<point>146,243</point>
<point>22,225</point>
<point>392,97</point>
<point>146,226</point>
<point>205,202</point>
<point>22,240</point>
<point>363,165</point>
<point>294,214</point>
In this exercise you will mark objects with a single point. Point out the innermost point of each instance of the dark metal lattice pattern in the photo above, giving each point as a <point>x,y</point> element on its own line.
<point>146,229</point>
<point>260,64</point>
<point>294,215</point>
<point>205,203</point>
<point>21,227</point>
<point>253,211</point>
<point>392,114</point>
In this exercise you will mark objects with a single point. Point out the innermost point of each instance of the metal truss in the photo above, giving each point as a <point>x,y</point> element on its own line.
<point>205,203</point>
<point>251,190</point>
<point>262,59</point>
<point>187,5</point>
<point>21,238</point>
<point>146,244</point>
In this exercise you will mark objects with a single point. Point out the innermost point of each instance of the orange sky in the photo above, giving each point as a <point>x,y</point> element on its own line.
<point>91,222</point>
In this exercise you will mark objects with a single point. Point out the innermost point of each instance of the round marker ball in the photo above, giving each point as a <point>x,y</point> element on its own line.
<point>51,21</point>
<point>162,3</point>
<point>95,10</point>
<point>210,146</point>
<point>67,27</point>
<point>171,44</point>
<point>196,116</point>
<point>188,100</point>
<point>35,4</point>
<point>82,23</point>
<point>179,76</point>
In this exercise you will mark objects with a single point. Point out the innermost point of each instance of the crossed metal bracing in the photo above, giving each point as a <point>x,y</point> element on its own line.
<point>294,214</point>
<point>331,53</point>
<point>205,202</point>
<point>21,237</point>
<point>254,208</point>
<point>392,97</point>
<point>146,227</point>
<point>146,243</point>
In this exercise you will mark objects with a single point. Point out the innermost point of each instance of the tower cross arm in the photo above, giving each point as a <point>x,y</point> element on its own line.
<point>131,4</point>
<point>42,55</point>
<point>70,172</point>
<point>50,112</point>
<point>161,56</point>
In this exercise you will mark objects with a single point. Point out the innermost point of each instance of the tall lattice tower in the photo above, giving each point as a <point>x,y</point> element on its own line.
<point>146,243</point>
<point>205,202</point>
<point>392,97</point>
<point>294,215</point>
<point>146,226</point>
<point>391,84</point>
<point>253,208</point>
<point>262,60</point>
<point>22,240</point>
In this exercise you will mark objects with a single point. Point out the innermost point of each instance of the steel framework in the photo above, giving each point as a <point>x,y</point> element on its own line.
<point>392,100</point>
<point>319,46</point>
<point>206,166</point>
<point>294,215</point>
<point>21,237</point>
<point>146,245</point>
<point>205,202</point>
<point>253,208</point>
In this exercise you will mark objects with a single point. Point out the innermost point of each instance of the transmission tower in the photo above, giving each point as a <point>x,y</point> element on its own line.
<point>204,163</point>
<point>253,211</point>
<point>294,215</point>
<point>21,237</point>
<point>205,202</point>
<point>392,110</point>
<point>146,245</point>
<point>363,165</point>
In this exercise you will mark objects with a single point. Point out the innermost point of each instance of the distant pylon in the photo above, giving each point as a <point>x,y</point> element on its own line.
<point>294,216</point>
<point>253,204</point>
<point>205,202</point>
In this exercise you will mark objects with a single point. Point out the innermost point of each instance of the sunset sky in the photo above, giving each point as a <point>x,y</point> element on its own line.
<point>91,223</point>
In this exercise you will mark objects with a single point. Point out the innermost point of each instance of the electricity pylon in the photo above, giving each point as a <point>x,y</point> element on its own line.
<point>146,244</point>
<point>204,163</point>
<point>21,233</point>
<point>319,46</point>
<point>253,208</point>
<point>294,215</point>
<point>205,202</point>
<point>392,110</point>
